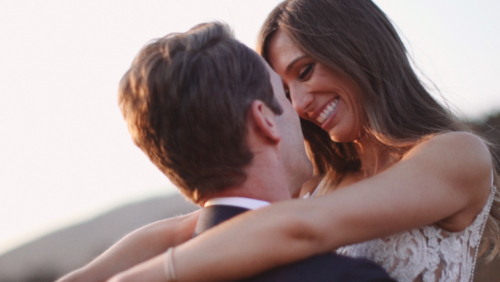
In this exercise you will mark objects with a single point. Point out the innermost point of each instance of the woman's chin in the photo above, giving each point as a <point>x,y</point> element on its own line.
<point>343,137</point>
<point>338,139</point>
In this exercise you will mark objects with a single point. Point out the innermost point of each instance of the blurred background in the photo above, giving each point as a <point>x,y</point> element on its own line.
<point>71,180</point>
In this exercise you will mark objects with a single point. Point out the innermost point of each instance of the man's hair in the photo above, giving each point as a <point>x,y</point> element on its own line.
<point>185,100</point>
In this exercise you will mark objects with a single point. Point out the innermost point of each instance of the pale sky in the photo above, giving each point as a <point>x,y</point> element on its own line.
<point>65,153</point>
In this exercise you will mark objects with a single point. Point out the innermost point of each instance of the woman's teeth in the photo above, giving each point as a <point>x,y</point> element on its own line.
<point>327,111</point>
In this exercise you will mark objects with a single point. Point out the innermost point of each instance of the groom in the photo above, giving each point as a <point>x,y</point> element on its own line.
<point>213,117</point>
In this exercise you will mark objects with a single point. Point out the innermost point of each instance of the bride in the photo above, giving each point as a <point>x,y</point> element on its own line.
<point>398,178</point>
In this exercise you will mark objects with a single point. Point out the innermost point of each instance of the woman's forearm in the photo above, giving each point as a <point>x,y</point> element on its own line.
<point>205,257</point>
<point>137,247</point>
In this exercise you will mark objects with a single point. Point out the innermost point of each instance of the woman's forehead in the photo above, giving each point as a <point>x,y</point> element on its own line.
<point>282,51</point>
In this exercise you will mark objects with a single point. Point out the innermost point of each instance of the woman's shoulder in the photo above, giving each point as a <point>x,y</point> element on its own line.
<point>453,136</point>
<point>460,161</point>
<point>455,147</point>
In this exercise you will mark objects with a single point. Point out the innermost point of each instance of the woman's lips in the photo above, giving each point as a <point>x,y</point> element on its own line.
<point>327,111</point>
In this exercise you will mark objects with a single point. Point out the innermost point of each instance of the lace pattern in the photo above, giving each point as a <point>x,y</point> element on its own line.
<point>427,253</point>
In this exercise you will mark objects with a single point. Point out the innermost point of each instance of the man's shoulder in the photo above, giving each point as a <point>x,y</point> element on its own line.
<point>326,267</point>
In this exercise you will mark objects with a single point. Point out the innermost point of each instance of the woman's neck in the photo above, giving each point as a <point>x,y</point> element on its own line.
<point>373,155</point>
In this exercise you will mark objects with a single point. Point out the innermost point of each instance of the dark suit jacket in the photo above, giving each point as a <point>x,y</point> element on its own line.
<point>326,267</point>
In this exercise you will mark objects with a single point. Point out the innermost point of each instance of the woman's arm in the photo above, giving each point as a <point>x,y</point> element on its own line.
<point>444,180</point>
<point>136,248</point>
<point>151,271</point>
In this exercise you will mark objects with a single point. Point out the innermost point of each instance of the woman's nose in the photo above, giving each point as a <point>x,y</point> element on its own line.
<point>301,101</point>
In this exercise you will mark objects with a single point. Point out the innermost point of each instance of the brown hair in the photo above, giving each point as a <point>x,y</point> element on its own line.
<point>185,100</point>
<point>357,39</point>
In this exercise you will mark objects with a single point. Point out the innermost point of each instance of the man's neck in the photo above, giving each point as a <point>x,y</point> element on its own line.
<point>266,180</point>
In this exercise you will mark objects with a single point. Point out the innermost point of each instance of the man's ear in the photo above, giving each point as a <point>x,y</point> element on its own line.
<point>264,120</point>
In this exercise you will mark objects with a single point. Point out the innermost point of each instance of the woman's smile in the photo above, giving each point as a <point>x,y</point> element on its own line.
<point>318,93</point>
<point>326,111</point>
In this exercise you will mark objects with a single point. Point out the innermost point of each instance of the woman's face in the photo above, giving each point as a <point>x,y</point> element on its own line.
<point>318,93</point>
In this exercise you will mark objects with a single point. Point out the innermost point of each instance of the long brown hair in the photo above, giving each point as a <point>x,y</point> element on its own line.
<point>357,39</point>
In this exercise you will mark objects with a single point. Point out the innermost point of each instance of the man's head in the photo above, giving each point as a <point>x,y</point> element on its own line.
<point>186,98</point>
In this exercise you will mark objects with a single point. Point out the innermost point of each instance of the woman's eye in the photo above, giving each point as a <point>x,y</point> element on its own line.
<point>303,74</point>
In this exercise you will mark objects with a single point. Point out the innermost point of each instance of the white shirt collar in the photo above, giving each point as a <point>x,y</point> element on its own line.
<point>247,203</point>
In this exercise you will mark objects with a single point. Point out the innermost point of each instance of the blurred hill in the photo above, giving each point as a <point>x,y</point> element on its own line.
<point>56,254</point>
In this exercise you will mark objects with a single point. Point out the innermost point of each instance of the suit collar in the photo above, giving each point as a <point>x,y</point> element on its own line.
<point>217,210</point>
<point>213,215</point>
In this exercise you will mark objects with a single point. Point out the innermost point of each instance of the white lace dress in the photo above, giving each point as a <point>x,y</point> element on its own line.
<point>427,253</point>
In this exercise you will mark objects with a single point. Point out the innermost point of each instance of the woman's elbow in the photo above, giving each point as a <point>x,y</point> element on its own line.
<point>306,234</point>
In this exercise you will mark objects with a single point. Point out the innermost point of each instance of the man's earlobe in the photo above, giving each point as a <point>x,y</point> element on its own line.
<point>264,120</point>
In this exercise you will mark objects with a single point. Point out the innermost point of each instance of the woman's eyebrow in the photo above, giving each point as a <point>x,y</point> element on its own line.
<point>290,66</point>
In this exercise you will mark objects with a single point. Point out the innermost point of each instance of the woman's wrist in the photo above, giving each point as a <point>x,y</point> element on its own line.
<point>169,267</point>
